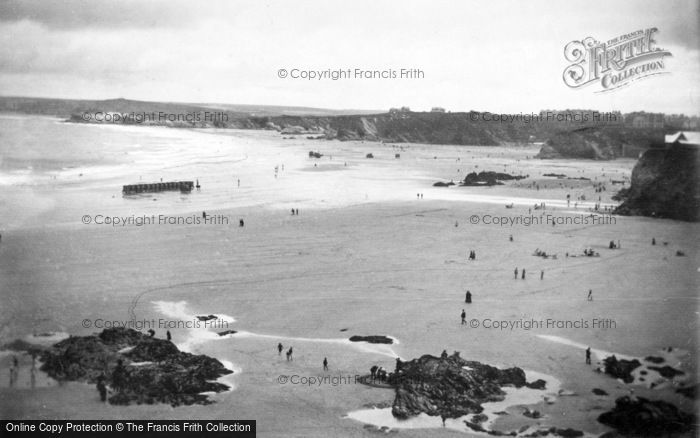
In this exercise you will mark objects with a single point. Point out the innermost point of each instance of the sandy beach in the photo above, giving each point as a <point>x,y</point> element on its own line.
<point>364,256</point>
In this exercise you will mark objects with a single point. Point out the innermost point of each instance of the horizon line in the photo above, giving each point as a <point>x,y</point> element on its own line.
<point>366,111</point>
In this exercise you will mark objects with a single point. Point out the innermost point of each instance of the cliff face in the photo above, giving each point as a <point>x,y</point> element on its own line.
<point>665,183</point>
<point>408,127</point>
<point>600,143</point>
<point>564,138</point>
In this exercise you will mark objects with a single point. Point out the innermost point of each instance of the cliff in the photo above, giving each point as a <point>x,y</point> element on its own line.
<point>600,143</point>
<point>665,183</point>
<point>563,138</point>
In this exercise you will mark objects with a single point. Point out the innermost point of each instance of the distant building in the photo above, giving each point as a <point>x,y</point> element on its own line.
<point>437,109</point>
<point>646,120</point>
<point>685,139</point>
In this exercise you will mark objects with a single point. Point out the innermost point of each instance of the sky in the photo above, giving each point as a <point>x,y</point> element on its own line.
<point>496,55</point>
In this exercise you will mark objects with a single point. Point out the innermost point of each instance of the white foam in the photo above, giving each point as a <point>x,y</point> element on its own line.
<point>600,354</point>
<point>366,347</point>
<point>46,339</point>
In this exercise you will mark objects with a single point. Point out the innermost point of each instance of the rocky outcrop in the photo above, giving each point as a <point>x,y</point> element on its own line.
<point>689,391</point>
<point>620,368</point>
<point>488,178</point>
<point>665,183</point>
<point>449,386</point>
<point>644,418</point>
<point>139,368</point>
<point>372,339</point>
<point>599,143</point>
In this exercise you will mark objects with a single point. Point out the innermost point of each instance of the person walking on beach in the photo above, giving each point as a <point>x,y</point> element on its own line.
<point>13,371</point>
<point>523,277</point>
<point>289,354</point>
<point>32,375</point>
<point>588,356</point>
<point>119,376</point>
<point>464,317</point>
<point>101,388</point>
<point>590,294</point>
<point>168,335</point>
<point>541,275</point>
<point>280,347</point>
<point>325,364</point>
<point>468,297</point>
<point>516,273</point>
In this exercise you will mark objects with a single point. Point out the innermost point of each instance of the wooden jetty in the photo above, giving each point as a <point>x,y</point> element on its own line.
<point>183,186</point>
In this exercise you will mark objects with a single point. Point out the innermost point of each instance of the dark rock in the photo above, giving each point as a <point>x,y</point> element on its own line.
<point>537,384</point>
<point>532,413</point>
<point>645,418</point>
<point>654,359</point>
<point>689,391</point>
<point>168,376</point>
<point>443,386</point>
<point>479,418</point>
<point>207,317</point>
<point>568,432</point>
<point>598,391</point>
<point>599,143</point>
<point>487,178</point>
<point>665,183</point>
<point>152,349</point>
<point>620,369</point>
<point>227,332</point>
<point>373,339</point>
<point>313,154</point>
<point>120,338</point>
<point>667,371</point>
<point>443,184</point>
<point>369,156</point>
<point>475,426</point>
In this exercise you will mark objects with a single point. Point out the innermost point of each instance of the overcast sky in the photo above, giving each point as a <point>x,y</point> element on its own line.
<point>500,56</point>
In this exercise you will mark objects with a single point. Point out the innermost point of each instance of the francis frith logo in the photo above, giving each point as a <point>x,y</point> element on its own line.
<point>615,63</point>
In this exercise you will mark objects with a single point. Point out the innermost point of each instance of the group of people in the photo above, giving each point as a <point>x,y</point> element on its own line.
<point>290,357</point>
<point>378,373</point>
<point>295,212</point>
<point>472,255</point>
<point>289,353</point>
